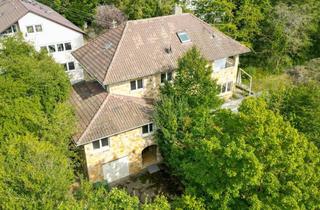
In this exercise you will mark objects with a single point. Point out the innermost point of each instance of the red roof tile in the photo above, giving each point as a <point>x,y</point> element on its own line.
<point>140,48</point>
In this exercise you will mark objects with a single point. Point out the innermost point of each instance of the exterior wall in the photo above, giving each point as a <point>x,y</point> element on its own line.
<point>53,33</point>
<point>226,75</point>
<point>130,144</point>
<point>150,87</point>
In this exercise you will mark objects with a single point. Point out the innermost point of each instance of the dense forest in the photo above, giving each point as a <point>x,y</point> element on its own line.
<point>266,156</point>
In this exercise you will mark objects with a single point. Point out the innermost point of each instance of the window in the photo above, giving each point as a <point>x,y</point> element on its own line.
<point>146,129</point>
<point>226,87</point>
<point>96,144</point>
<point>71,66</point>
<point>38,28</point>
<point>229,86</point>
<point>30,29</point>
<point>60,47</point>
<point>52,48</point>
<point>12,29</point>
<point>220,64</point>
<point>67,46</point>
<point>136,84</point>
<point>101,143</point>
<point>65,66</point>
<point>166,77</point>
<point>184,37</point>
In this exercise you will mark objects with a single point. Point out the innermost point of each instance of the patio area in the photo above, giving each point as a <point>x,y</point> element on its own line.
<point>146,186</point>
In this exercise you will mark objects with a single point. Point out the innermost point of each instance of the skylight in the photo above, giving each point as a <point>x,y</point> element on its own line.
<point>184,37</point>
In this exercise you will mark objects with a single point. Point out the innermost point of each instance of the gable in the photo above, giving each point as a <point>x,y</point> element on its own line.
<point>12,10</point>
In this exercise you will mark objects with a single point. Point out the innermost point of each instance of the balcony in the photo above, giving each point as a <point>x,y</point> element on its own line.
<point>224,63</point>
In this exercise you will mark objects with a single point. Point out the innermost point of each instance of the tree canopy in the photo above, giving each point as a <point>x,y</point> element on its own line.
<point>251,159</point>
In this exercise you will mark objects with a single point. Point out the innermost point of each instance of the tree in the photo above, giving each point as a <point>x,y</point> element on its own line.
<point>188,202</point>
<point>107,15</point>
<point>34,174</point>
<point>218,13</point>
<point>35,128</point>
<point>251,159</point>
<point>185,106</point>
<point>34,91</point>
<point>300,106</point>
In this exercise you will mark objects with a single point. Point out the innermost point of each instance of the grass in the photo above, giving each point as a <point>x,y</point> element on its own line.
<point>264,81</point>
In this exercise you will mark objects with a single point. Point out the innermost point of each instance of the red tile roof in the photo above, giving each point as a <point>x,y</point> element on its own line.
<point>101,115</point>
<point>12,10</point>
<point>140,47</point>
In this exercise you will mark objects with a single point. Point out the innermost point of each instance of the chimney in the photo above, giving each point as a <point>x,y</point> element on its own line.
<point>177,10</point>
<point>114,24</point>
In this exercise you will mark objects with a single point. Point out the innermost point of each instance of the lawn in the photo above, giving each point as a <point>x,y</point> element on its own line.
<point>264,81</point>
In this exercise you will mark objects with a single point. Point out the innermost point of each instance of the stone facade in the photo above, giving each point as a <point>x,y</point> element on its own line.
<point>130,143</point>
<point>150,87</point>
<point>226,75</point>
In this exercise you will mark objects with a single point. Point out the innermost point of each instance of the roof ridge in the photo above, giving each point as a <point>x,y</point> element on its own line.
<point>116,51</point>
<point>93,118</point>
<point>20,2</point>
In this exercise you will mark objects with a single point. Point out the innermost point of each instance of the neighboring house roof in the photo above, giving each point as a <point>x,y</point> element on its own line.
<point>12,10</point>
<point>141,46</point>
<point>101,115</point>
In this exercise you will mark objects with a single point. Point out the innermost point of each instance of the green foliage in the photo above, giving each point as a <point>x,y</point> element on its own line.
<point>83,11</point>
<point>138,9</point>
<point>77,11</point>
<point>34,90</point>
<point>186,105</point>
<point>188,202</point>
<point>99,197</point>
<point>35,126</point>
<point>34,174</point>
<point>36,123</point>
<point>280,33</point>
<point>300,106</point>
<point>159,203</point>
<point>251,159</point>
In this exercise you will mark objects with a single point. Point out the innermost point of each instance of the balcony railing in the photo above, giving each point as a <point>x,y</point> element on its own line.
<point>243,75</point>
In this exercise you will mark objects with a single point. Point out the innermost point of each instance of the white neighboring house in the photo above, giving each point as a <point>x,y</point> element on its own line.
<point>45,29</point>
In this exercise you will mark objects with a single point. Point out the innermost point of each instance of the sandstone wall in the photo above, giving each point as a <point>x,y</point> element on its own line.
<point>129,144</point>
<point>150,87</point>
<point>226,75</point>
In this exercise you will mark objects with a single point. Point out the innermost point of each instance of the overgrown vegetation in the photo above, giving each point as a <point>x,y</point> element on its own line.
<point>280,33</point>
<point>36,122</point>
<point>263,157</point>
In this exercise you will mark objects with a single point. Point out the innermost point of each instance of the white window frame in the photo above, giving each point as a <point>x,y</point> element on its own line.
<point>101,148</point>
<point>136,85</point>
<point>65,48</point>
<point>179,34</point>
<point>67,65</point>
<point>149,126</point>
<point>228,87</point>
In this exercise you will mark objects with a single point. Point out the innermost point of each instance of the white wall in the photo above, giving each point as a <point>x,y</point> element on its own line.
<point>53,33</point>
